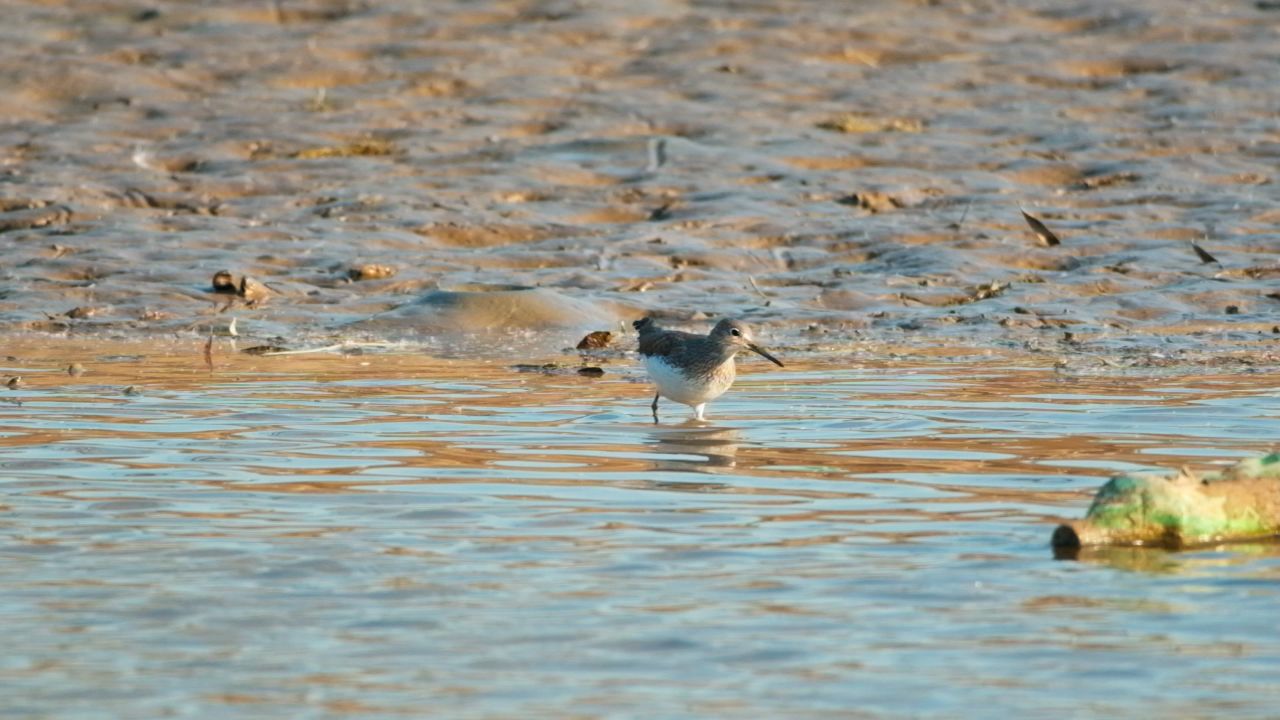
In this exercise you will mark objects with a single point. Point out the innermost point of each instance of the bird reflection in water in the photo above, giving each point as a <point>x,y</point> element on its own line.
<point>693,447</point>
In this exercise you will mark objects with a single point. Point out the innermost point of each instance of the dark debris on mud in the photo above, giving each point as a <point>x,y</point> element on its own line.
<point>364,154</point>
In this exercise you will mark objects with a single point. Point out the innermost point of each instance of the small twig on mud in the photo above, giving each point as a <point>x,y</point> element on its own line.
<point>767,300</point>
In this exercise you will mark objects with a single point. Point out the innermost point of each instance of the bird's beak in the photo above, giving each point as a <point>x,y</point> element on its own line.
<point>764,353</point>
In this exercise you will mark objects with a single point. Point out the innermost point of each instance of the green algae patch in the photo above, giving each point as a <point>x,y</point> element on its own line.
<point>1183,509</point>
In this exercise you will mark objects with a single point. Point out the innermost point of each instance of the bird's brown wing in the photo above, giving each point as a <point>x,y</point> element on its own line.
<point>662,343</point>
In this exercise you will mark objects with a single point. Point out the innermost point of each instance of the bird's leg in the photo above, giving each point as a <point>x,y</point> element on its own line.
<point>697,411</point>
<point>655,408</point>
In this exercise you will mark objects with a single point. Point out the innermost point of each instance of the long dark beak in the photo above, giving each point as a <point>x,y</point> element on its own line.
<point>765,354</point>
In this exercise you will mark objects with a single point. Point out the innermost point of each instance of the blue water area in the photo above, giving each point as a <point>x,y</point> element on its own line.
<point>836,542</point>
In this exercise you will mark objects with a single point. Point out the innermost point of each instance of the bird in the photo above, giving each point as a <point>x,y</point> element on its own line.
<point>694,369</point>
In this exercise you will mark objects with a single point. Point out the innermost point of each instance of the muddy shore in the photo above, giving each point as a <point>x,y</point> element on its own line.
<point>836,173</point>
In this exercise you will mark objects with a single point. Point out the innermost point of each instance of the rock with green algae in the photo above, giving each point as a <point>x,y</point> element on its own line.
<point>1239,503</point>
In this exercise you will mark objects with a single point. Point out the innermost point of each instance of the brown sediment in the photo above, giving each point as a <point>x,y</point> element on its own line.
<point>858,123</point>
<point>364,147</point>
<point>612,216</point>
<point>831,164</point>
<point>483,236</point>
<point>1053,174</point>
<point>38,217</point>
<point>460,146</point>
<point>371,271</point>
<point>487,310</point>
<point>1115,67</point>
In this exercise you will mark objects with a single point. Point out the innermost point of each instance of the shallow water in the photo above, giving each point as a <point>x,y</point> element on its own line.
<point>390,534</point>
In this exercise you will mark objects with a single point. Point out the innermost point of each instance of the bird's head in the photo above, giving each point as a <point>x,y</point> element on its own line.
<point>736,333</point>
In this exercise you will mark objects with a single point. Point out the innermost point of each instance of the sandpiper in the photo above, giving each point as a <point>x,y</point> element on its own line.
<point>694,369</point>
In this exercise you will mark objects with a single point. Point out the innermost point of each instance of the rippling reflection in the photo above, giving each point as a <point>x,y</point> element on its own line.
<point>401,535</point>
<point>694,447</point>
<point>1151,560</point>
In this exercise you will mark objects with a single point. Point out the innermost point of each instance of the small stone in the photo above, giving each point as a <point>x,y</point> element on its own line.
<point>365,147</point>
<point>14,382</point>
<point>370,271</point>
<point>1233,309</point>
<point>225,282</point>
<point>591,372</point>
<point>253,291</point>
<point>662,212</point>
<point>263,349</point>
<point>544,368</point>
<point>75,369</point>
<point>854,123</point>
<point>132,390</point>
<point>873,202</point>
<point>596,340</point>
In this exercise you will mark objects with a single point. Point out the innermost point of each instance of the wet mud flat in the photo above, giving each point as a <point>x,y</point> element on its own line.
<point>390,533</point>
<point>832,171</point>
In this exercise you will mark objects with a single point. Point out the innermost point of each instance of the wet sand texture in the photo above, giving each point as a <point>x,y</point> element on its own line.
<point>457,312</point>
<point>829,165</point>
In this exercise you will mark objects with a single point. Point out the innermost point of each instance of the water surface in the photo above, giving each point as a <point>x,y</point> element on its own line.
<point>394,535</point>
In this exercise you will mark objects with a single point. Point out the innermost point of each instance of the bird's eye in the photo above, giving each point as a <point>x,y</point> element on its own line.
<point>735,332</point>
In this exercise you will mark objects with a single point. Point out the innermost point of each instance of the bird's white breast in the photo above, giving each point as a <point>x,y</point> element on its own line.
<point>675,385</point>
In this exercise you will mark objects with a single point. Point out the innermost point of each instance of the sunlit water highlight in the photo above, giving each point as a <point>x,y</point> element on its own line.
<point>392,535</point>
